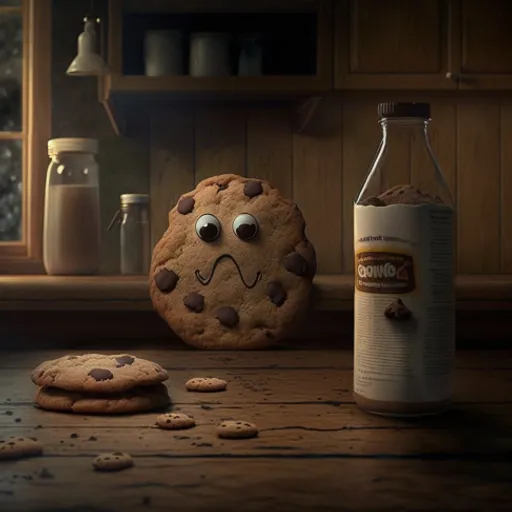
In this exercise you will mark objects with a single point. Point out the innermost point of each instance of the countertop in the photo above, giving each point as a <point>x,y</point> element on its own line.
<point>316,450</point>
<point>110,292</point>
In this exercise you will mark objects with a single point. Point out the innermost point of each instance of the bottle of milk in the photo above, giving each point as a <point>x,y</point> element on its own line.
<point>404,339</point>
<point>71,235</point>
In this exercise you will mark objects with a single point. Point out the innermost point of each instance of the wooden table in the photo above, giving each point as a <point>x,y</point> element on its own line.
<point>316,449</point>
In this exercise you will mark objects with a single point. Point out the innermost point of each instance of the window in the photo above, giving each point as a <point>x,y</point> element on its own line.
<point>25,126</point>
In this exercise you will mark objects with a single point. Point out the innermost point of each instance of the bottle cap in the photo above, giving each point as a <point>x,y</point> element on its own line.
<point>398,109</point>
<point>72,145</point>
<point>134,199</point>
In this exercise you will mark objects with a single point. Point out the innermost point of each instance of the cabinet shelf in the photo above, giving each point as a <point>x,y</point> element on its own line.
<point>293,30</point>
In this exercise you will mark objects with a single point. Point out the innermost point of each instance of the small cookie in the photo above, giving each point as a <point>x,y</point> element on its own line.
<point>231,429</point>
<point>112,461</point>
<point>15,447</point>
<point>98,373</point>
<point>175,421</point>
<point>206,384</point>
<point>144,398</point>
<point>234,269</point>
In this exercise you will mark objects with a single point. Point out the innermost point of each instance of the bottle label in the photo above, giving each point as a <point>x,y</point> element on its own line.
<point>404,302</point>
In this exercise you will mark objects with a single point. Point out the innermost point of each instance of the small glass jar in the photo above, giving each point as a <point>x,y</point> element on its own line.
<point>135,234</point>
<point>71,231</point>
<point>209,54</point>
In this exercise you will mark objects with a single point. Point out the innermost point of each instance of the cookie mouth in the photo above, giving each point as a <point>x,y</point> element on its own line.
<point>206,280</point>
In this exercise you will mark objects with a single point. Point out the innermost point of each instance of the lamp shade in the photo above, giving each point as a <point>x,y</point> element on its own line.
<point>87,62</point>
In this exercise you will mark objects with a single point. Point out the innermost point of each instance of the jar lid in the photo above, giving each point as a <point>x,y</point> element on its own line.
<point>76,144</point>
<point>134,199</point>
<point>400,109</point>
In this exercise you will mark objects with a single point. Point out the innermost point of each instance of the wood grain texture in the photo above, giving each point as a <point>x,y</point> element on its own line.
<point>270,147</point>
<point>267,386</point>
<point>378,33</point>
<point>478,186</point>
<point>486,37</point>
<point>203,484</point>
<point>171,165</point>
<point>455,461</point>
<point>506,186</point>
<point>220,142</point>
<point>317,185</point>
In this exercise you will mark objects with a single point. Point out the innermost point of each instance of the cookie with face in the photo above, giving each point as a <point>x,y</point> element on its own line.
<point>234,269</point>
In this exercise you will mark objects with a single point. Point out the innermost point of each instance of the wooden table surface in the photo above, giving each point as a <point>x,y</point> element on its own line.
<point>316,449</point>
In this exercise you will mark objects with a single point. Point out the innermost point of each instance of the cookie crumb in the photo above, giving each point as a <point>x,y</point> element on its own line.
<point>18,420</point>
<point>92,438</point>
<point>9,413</point>
<point>175,421</point>
<point>237,429</point>
<point>206,384</point>
<point>116,461</point>
<point>45,473</point>
<point>74,435</point>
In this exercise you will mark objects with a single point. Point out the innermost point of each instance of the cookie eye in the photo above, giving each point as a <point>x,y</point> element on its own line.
<point>208,228</point>
<point>245,226</point>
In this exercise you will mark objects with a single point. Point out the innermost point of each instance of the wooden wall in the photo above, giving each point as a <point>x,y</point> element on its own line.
<point>323,167</point>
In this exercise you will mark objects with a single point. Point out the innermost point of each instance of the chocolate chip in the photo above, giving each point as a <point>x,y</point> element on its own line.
<point>222,186</point>
<point>253,188</point>
<point>73,435</point>
<point>397,311</point>
<point>99,374</point>
<point>296,264</point>
<point>166,280</point>
<point>227,316</point>
<point>373,201</point>
<point>125,360</point>
<point>276,293</point>
<point>186,205</point>
<point>194,301</point>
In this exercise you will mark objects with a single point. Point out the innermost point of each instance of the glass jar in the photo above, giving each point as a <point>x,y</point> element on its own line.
<point>135,234</point>
<point>71,232</point>
<point>404,335</point>
<point>209,54</point>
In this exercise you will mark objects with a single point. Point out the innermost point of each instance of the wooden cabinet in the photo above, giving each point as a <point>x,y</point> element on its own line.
<point>482,44</point>
<point>423,45</point>
<point>296,37</point>
<point>396,44</point>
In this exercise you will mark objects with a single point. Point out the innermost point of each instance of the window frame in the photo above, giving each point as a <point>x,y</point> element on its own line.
<point>26,256</point>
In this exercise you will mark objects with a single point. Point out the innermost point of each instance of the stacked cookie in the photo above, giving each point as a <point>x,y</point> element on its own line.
<point>100,384</point>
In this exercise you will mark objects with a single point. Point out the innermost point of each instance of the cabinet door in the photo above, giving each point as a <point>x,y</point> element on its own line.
<point>392,44</point>
<point>482,44</point>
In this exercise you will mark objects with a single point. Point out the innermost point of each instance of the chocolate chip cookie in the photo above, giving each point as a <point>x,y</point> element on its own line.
<point>234,269</point>
<point>15,447</point>
<point>139,399</point>
<point>98,373</point>
<point>116,461</point>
